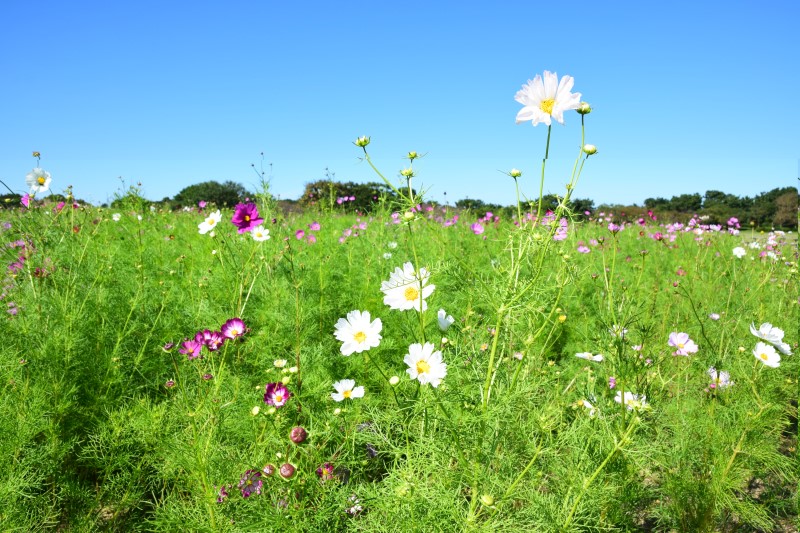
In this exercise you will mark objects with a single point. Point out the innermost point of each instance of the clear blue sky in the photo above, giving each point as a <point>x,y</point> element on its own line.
<point>687,96</point>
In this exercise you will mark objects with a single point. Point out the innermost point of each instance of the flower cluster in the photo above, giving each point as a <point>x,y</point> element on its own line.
<point>213,340</point>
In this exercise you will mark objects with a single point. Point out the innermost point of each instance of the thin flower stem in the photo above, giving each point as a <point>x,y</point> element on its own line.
<point>588,482</point>
<point>514,484</point>
<point>541,183</point>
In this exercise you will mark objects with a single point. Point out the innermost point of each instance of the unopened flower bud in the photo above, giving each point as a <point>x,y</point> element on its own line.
<point>487,500</point>
<point>515,173</point>
<point>268,470</point>
<point>412,155</point>
<point>37,154</point>
<point>394,380</point>
<point>589,149</point>
<point>362,142</point>
<point>407,172</point>
<point>287,470</point>
<point>298,435</point>
<point>584,108</point>
<point>408,215</point>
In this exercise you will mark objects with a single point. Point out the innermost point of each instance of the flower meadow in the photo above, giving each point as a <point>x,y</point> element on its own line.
<point>415,368</point>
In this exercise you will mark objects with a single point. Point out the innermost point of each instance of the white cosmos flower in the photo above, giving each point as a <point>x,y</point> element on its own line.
<point>357,333</point>
<point>589,357</point>
<point>739,252</point>
<point>767,332</point>
<point>116,217</point>
<point>210,222</point>
<point>546,98</point>
<point>425,364</point>
<point>259,233</point>
<point>588,406</point>
<point>445,320</point>
<point>632,401</point>
<point>38,180</point>
<point>766,354</point>
<point>407,289</point>
<point>346,388</point>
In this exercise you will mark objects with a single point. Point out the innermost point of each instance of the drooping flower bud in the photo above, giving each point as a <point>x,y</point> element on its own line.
<point>298,435</point>
<point>287,470</point>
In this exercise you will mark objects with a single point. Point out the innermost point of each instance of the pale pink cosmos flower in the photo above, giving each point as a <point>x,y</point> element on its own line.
<point>683,343</point>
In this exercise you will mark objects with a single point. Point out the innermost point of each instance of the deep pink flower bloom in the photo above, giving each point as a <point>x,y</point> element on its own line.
<point>233,328</point>
<point>246,217</point>
<point>612,382</point>
<point>214,340</point>
<point>477,228</point>
<point>59,206</point>
<point>325,472</point>
<point>299,234</point>
<point>339,201</point>
<point>191,348</point>
<point>223,494</point>
<point>314,226</point>
<point>250,483</point>
<point>276,394</point>
<point>352,198</point>
<point>201,204</point>
<point>26,200</point>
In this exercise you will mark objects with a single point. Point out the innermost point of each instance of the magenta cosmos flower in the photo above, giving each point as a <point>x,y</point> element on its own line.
<point>276,394</point>
<point>683,343</point>
<point>246,217</point>
<point>191,348</point>
<point>233,328</point>
<point>213,340</point>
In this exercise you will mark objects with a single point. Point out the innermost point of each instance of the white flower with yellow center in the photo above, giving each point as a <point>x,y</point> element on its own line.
<point>357,333</point>
<point>407,288</point>
<point>766,354</point>
<point>38,180</point>
<point>210,222</point>
<point>425,364</point>
<point>772,335</point>
<point>546,98</point>
<point>346,389</point>
<point>259,233</point>
<point>632,402</point>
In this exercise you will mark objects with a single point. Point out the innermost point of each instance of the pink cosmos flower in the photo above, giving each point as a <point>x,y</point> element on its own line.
<point>191,348</point>
<point>311,239</point>
<point>276,394</point>
<point>583,249</point>
<point>26,200</point>
<point>212,340</point>
<point>299,234</point>
<point>233,328</point>
<point>683,343</point>
<point>314,226</point>
<point>246,217</point>
<point>201,204</point>
<point>561,231</point>
<point>477,228</point>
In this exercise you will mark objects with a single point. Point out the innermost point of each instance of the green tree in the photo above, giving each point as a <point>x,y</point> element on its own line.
<point>222,194</point>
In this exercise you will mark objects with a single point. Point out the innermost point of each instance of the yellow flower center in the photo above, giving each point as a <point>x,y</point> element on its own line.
<point>40,179</point>
<point>423,367</point>
<point>411,294</point>
<point>347,393</point>
<point>247,218</point>
<point>360,337</point>
<point>210,221</point>
<point>547,105</point>
<point>278,397</point>
<point>763,356</point>
<point>680,345</point>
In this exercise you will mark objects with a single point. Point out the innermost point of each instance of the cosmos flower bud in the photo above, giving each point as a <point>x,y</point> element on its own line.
<point>515,173</point>
<point>298,435</point>
<point>412,155</point>
<point>487,500</point>
<point>589,149</point>
<point>287,470</point>
<point>268,470</point>
<point>408,215</point>
<point>362,142</point>
<point>37,154</point>
<point>584,108</point>
<point>394,380</point>
<point>407,172</point>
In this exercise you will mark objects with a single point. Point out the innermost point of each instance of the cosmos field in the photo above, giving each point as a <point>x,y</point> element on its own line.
<point>411,368</point>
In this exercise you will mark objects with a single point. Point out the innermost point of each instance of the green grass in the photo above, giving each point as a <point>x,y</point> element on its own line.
<point>92,438</point>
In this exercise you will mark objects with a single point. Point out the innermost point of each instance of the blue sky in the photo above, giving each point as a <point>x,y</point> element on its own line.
<point>687,96</point>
